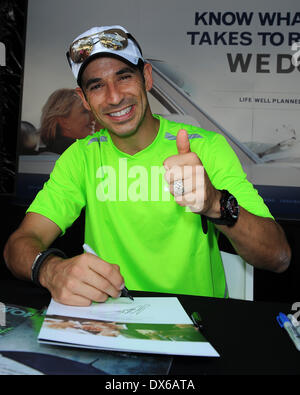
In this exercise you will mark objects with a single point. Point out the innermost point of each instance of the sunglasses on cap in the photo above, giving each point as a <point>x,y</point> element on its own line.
<point>112,39</point>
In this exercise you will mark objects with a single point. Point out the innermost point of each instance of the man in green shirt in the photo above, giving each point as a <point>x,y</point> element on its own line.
<point>155,192</point>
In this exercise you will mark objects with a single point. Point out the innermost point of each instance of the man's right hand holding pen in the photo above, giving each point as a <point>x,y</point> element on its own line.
<point>124,291</point>
<point>81,280</point>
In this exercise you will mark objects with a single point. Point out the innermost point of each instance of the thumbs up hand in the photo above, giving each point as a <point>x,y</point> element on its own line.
<point>183,142</point>
<point>188,180</point>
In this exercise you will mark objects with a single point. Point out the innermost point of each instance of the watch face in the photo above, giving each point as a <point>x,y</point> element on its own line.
<point>232,206</point>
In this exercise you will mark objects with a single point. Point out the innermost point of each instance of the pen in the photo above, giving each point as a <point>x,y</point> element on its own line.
<point>196,318</point>
<point>204,223</point>
<point>285,323</point>
<point>124,291</point>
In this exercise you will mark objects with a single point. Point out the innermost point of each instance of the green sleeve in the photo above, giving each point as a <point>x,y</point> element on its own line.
<point>225,172</point>
<point>62,197</point>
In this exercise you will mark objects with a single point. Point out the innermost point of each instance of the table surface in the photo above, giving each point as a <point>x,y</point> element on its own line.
<point>246,334</point>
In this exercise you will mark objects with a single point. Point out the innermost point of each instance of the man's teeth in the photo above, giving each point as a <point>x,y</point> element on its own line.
<point>120,113</point>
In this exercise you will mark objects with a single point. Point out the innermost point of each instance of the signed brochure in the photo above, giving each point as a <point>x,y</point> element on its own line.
<point>156,325</point>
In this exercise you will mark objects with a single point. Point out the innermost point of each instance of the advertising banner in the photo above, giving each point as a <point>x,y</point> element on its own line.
<point>231,67</point>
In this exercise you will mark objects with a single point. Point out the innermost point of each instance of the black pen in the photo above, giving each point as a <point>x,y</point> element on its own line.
<point>124,291</point>
<point>204,224</point>
<point>196,318</point>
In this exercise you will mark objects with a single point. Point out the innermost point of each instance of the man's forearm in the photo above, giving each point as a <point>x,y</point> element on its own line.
<point>261,242</point>
<point>19,254</point>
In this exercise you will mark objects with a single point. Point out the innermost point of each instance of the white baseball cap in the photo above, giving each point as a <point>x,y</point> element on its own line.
<point>113,41</point>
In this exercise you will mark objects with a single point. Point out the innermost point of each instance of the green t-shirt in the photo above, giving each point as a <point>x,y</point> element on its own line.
<point>133,221</point>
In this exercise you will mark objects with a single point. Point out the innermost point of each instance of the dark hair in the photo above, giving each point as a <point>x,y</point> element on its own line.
<point>139,66</point>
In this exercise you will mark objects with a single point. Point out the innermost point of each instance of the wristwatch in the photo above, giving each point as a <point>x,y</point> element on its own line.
<point>229,210</point>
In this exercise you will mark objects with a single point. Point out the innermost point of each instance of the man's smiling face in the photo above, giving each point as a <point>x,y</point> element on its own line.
<point>117,94</point>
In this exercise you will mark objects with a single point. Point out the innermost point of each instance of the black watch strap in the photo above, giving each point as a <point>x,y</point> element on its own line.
<point>40,259</point>
<point>229,210</point>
